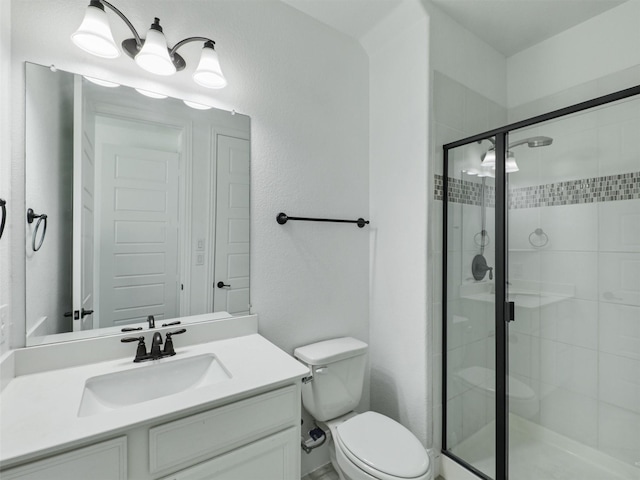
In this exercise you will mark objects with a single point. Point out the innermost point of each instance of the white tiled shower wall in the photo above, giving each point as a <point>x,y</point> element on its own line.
<point>581,355</point>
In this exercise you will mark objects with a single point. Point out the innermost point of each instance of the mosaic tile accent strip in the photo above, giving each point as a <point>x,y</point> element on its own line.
<point>464,191</point>
<point>609,188</point>
<point>587,190</point>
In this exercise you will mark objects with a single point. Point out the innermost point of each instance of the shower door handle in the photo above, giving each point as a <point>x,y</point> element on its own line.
<point>510,311</point>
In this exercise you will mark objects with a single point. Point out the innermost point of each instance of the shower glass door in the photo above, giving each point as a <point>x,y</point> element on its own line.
<point>541,295</point>
<point>574,277</point>
<point>469,401</point>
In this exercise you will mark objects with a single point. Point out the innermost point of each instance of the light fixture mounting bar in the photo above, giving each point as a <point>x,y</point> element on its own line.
<point>136,36</point>
<point>172,51</point>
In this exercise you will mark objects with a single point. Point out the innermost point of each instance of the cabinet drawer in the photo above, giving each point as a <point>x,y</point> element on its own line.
<point>272,458</point>
<point>106,461</point>
<point>204,435</point>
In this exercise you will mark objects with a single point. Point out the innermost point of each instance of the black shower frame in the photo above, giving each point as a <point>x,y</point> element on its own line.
<point>500,272</point>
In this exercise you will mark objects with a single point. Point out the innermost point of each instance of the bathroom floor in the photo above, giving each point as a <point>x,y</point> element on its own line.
<point>328,473</point>
<point>536,453</point>
<point>323,473</point>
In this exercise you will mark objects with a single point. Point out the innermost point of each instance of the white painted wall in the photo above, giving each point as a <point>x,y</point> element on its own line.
<point>306,90</point>
<point>464,57</point>
<point>399,92</point>
<point>309,140</point>
<point>601,46</point>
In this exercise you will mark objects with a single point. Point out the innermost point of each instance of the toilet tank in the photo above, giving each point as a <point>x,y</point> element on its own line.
<point>338,368</point>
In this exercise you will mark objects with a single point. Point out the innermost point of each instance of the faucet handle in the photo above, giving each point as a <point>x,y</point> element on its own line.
<point>177,332</point>
<point>132,339</point>
<point>168,344</point>
<point>141,352</point>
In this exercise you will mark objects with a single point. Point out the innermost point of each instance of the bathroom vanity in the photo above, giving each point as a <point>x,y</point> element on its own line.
<point>226,406</point>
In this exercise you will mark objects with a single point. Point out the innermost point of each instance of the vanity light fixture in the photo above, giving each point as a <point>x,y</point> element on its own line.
<point>150,53</point>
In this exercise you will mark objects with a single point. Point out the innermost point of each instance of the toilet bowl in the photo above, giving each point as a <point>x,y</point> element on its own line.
<point>371,446</point>
<point>363,446</point>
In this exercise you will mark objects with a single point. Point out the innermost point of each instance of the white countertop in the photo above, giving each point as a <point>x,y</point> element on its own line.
<point>40,410</point>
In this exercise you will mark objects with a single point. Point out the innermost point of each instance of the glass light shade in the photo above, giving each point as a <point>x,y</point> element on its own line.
<point>489,159</point>
<point>197,106</point>
<point>102,83</point>
<point>511,165</point>
<point>94,34</point>
<point>154,55</point>
<point>149,94</point>
<point>209,74</point>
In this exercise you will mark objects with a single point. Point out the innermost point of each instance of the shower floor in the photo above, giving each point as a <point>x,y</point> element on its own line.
<point>536,453</point>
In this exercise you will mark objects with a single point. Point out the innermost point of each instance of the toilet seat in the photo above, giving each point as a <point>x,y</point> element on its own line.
<point>381,447</point>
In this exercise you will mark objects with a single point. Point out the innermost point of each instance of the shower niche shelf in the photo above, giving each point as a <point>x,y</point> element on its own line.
<point>525,294</point>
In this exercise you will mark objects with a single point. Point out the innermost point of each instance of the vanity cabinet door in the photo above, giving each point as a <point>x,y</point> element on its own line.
<point>272,458</point>
<point>104,461</point>
<point>193,439</point>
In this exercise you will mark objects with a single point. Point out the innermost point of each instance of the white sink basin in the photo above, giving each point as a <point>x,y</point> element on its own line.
<point>155,379</point>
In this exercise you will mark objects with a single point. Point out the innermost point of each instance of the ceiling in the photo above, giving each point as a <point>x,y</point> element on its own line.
<point>509,26</point>
<point>351,17</point>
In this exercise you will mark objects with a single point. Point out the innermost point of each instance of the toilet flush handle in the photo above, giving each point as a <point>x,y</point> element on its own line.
<point>315,370</point>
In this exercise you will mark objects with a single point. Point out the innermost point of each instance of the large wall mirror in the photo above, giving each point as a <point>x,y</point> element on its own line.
<point>139,206</point>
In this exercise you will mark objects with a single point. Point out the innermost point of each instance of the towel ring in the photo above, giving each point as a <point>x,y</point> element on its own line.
<point>31,216</point>
<point>540,233</point>
<point>483,234</point>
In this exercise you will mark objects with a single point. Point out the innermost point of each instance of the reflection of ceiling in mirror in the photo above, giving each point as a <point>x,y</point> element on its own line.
<point>146,227</point>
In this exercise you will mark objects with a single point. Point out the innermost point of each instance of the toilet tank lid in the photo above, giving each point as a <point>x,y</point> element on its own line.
<point>330,351</point>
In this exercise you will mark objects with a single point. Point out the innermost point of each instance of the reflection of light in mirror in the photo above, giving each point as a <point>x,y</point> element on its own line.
<point>102,83</point>
<point>197,106</point>
<point>511,166</point>
<point>149,94</point>
<point>486,172</point>
<point>489,159</point>
<point>471,171</point>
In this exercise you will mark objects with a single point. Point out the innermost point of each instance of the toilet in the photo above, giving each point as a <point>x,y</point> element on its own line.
<point>362,446</point>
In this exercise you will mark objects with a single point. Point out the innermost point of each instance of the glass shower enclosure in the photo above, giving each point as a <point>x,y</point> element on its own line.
<point>541,296</point>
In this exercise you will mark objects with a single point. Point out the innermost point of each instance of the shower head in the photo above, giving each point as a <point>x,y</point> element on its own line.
<point>488,159</point>
<point>533,142</point>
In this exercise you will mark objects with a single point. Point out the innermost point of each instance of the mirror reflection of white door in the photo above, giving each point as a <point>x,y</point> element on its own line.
<point>232,226</point>
<point>139,238</point>
<point>83,211</point>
